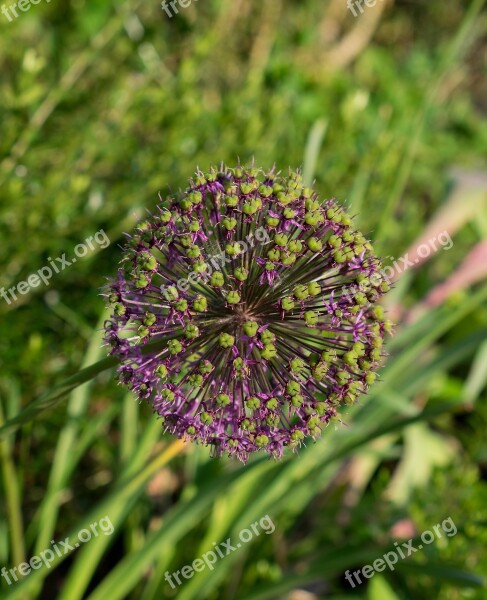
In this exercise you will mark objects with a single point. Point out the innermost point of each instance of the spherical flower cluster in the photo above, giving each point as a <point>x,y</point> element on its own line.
<point>245,311</point>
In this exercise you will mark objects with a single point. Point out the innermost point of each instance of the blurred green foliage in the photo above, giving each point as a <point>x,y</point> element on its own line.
<point>105,105</point>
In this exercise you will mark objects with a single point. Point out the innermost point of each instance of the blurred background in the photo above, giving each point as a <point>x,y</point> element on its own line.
<point>104,105</point>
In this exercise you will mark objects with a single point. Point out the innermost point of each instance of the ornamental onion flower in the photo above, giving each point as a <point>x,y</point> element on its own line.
<point>245,311</point>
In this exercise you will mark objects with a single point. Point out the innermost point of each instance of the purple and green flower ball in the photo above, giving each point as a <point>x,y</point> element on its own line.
<point>245,311</point>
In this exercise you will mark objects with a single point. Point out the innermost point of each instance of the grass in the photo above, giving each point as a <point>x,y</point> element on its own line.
<point>106,105</point>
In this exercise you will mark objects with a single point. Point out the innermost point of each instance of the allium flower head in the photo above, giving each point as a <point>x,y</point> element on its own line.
<point>244,311</point>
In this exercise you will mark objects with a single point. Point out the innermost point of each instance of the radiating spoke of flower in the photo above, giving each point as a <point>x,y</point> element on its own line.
<point>264,300</point>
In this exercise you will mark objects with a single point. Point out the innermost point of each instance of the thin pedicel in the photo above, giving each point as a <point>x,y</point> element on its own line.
<point>262,353</point>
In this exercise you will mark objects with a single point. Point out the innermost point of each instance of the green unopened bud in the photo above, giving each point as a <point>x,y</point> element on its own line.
<point>265,191</point>
<point>200,266</point>
<point>195,380</point>
<point>314,244</point>
<point>193,252</point>
<point>119,309</point>
<point>252,403</point>
<point>319,371</point>
<point>185,240</point>
<point>165,216</point>
<point>375,354</point>
<point>171,293</point>
<point>191,331</point>
<point>168,395</point>
<point>272,420</point>
<point>226,340</point>
<point>250,328</point>
<point>233,297</point>
<point>311,317</point>
<point>311,204</point>
<point>174,346</point>
<point>194,226</point>
<point>247,188</point>
<point>267,337</point>
<point>295,246</point>
<point>200,304</point>
<point>241,273</point>
<point>293,388</point>
<point>233,249</point>
<point>297,400</point>
<point>328,356</point>
<point>250,208</point>
<point>274,255</point>
<point>150,319</point>
<point>287,304</point>
<point>185,204</point>
<point>142,281</point>
<point>231,201</point>
<point>181,305</point>
<point>296,437</point>
<point>229,223</point>
<point>205,367</point>
<point>247,425</point>
<point>297,365</point>
<point>313,425</point>
<point>358,348</point>
<point>314,288</point>
<point>206,418</point>
<point>195,197</point>
<point>350,358</point>
<point>335,241</point>
<point>360,299</point>
<point>339,256</point>
<point>261,441</point>
<point>321,408</point>
<point>272,221</point>
<point>370,378</point>
<point>269,351</point>
<point>217,279</point>
<point>281,240</point>
<point>161,371</point>
<point>313,218</point>
<point>272,403</point>
<point>283,198</point>
<point>222,399</point>
<point>288,260</point>
<point>301,292</point>
<point>147,261</point>
<point>377,342</point>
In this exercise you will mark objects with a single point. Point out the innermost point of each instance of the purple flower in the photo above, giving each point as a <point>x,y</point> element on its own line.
<point>245,312</point>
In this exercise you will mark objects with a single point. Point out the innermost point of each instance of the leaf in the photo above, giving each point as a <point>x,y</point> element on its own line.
<point>423,451</point>
<point>60,391</point>
<point>379,589</point>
